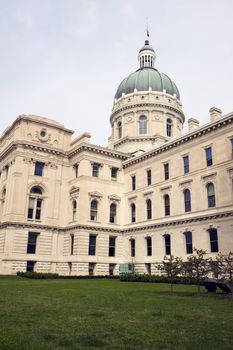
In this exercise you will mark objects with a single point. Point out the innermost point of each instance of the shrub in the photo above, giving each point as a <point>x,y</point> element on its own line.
<point>155,279</point>
<point>42,275</point>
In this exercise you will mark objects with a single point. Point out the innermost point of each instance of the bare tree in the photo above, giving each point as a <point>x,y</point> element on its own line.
<point>171,266</point>
<point>197,267</point>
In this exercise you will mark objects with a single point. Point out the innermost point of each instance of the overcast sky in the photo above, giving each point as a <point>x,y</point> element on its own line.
<point>64,59</point>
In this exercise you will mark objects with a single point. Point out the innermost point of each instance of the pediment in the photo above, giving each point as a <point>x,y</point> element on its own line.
<point>95,194</point>
<point>114,197</point>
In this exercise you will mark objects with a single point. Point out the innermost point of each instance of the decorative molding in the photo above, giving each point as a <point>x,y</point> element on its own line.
<point>114,197</point>
<point>95,194</point>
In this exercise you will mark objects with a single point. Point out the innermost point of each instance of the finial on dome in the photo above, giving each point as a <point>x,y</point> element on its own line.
<point>147,33</point>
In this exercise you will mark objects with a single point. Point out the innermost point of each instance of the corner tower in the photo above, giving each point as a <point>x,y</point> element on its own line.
<point>147,110</point>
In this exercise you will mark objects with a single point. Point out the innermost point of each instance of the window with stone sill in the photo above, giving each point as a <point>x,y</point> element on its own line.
<point>188,242</point>
<point>187,200</point>
<point>209,158</point>
<point>39,167</point>
<point>211,195</point>
<point>133,212</point>
<point>132,247</point>
<point>149,209</point>
<point>213,233</point>
<point>113,213</point>
<point>167,241</point>
<point>32,240</point>
<point>94,210</point>
<point>35,203</point>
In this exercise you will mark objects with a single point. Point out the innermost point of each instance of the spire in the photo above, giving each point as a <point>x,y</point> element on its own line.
<point>147,33</point>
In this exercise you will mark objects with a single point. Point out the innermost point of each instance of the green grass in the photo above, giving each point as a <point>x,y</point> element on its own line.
<point>108,314</point>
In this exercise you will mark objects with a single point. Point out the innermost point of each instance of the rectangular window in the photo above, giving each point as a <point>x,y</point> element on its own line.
<point>209,159</point>
<point>133,183</point>
<point>148,177</point>
<point>92,244</point>
<point>38,208</point>
<point>32,238</point>
<point>71,244</point>
<point>167,239</point>
<point>213,240</point>
<point>149,246</point>
<point>7,170</point>
<point>166,171</point>
<point>30,266</point>
<point>95,169</point>
<point>189,242</point>
<point>114,172</point>
<point>186,164</point>
<point>132,247</point>
<point>91,269</point>
<point>112,246</point>
<point>39,166</point>
<point>31,208</point>
<point>76,170</point>
<point>232,148</point>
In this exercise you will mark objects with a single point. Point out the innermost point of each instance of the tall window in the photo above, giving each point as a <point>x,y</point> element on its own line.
<point>132,247</point>
<point>142,125</point>
<point>113,213</point>
<point>114,172</point>
<point>112,246</point>
<point>188,242</point>
<point>31,246</point>
<point>149,246</point>
<point>71,244</point>
<point>133,212</point>
<point>133,183</point>
<point>76,170</point>
<point>167,205</point>
<point>210,195</point>
<point>95,169</point>
<point>149,209</point>
<point>232,147</point>
<point>209,159</point>
<point>35,203</point>
<point>187,200</point>
<point>148,173</point>
<point>92,244</point>
<point>39,166</point>
<point>119,127</point>
<point>74,216</point>
<point>94,210</point>
<point>186,164</point>
<point>7,170</point>
<point>30,266</point>
<point>213,240</point>
<point>167,241</point>
<point>169,127</point>
<point>166,171</point>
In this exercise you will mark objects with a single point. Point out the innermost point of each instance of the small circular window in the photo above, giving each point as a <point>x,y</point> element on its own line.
<point>43,133</point>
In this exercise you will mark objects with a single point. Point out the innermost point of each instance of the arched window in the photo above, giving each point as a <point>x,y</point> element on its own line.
<point>35,203</point>
<point>149,209</point>
<point>142,125</point>
<point>167,205</point>
<point>119,127</point>
<point>94,210</point>
<point>113,213</point>
<point>133,212</point>
<point>169,127</point>
<point>74,210</point>
<point>210,195</point>
<point>187,200</point>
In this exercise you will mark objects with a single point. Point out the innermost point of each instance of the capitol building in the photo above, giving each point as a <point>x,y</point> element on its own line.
<point>70,207</point>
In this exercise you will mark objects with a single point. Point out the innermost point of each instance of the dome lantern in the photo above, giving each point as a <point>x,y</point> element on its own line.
<point>146,56</point>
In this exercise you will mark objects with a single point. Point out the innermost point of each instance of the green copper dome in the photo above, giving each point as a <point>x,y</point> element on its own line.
<point>145,78</point>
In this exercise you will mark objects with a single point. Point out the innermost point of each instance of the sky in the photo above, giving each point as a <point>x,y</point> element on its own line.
<point>64,59</point>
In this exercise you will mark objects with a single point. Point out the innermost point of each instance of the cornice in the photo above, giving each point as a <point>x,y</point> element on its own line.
<point>205,129</point>
<point>98,149</point>
<point>139,228</point>
<point>147,104</point>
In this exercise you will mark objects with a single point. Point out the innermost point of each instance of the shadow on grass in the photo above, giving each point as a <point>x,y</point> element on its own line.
<point>83,341</point>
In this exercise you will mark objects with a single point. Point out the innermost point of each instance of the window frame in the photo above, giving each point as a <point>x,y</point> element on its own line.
<point>95,169</point>
<point>32,246</point>
<point>188,242</point>
<point>149,209</point>
<point>214,245</point>
<point>113,214</point>
<point>186,164</point>
<point>187,200</point>
<point>39,168</point>
<point>143,125</point>
<point>167,206</point>
<point>209,156</point>
<point>94,210</point>
<point>167,244</point>
<point>92,245</point>
<point>166,171</point>
<point>149,177</point>
<point>132,247</point>
<point>211,198</point>
<point>133,182</point>
<point>133,212</point>
<point>149,246</point>
<point>112,246</point>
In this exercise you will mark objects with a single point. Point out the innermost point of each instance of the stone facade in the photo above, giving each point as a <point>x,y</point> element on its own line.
<point>71,207</point>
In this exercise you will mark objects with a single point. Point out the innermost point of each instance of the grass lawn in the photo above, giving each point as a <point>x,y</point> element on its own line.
<point>108,314</point>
